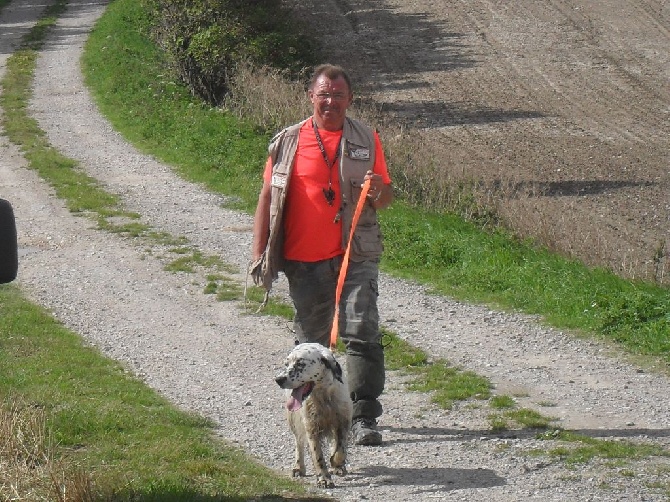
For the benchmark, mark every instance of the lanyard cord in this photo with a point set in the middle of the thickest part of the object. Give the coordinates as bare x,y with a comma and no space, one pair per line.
323,150
330,193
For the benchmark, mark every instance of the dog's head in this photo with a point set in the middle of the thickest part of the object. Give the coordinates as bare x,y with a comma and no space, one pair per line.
309,365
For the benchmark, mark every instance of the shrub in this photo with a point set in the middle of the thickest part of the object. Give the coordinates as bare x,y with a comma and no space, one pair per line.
205,40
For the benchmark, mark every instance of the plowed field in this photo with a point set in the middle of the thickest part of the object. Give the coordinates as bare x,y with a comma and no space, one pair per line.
565,101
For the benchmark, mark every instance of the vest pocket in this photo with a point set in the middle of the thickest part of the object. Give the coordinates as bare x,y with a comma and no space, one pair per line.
368,216
367,241
356,189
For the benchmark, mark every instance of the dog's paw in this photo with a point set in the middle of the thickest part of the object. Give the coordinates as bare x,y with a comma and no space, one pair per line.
322,482
340,471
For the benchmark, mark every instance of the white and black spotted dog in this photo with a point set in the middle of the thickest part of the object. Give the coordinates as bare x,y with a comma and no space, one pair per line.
319,409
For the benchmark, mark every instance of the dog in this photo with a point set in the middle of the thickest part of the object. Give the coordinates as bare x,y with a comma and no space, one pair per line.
318,409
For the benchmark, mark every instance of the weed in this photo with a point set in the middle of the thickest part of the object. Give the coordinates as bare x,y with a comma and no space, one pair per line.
500,402
529,418
586,448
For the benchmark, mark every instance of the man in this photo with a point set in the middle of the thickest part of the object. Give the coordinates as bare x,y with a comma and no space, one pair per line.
312,182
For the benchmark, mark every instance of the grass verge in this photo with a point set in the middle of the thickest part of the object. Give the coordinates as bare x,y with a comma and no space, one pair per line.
580,449
104,421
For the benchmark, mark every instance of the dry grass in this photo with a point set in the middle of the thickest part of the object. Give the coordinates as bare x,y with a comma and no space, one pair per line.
28,471
563,229
270,101
25,452
266,98
76,486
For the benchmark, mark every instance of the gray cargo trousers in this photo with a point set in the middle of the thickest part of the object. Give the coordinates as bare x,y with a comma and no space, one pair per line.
312,288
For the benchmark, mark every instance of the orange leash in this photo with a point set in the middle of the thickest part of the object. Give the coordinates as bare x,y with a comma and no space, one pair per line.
345,263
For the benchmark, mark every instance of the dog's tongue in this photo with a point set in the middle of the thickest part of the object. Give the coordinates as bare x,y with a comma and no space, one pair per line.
295,400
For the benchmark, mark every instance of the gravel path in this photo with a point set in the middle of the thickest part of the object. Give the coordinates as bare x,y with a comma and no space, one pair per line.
207,357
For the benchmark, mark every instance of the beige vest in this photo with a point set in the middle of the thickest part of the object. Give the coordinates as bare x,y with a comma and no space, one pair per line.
357,156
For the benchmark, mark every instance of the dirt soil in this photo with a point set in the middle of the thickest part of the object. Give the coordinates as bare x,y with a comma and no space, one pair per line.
209,358
565,100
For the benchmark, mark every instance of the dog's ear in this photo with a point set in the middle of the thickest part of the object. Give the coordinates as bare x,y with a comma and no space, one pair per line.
332,364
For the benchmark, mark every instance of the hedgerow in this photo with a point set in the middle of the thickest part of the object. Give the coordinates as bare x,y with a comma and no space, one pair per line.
205,40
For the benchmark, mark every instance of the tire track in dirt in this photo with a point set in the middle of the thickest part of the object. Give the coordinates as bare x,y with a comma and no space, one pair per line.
615,42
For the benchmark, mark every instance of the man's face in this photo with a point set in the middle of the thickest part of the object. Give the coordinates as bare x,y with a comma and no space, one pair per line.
330,99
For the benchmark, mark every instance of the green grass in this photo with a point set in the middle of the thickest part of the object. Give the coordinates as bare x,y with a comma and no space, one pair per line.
580,449
105,421
456,258
191,259
445,383
502,402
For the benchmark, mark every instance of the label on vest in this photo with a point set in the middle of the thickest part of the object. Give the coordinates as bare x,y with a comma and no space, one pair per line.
279,180
356,152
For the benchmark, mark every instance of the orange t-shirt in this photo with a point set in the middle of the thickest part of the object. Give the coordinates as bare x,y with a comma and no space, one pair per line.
310,231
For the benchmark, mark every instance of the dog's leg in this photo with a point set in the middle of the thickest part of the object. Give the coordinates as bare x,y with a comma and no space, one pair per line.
299,467
299,434
323,479
338,456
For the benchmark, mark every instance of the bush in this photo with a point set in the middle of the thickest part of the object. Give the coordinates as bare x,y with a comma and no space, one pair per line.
206,40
